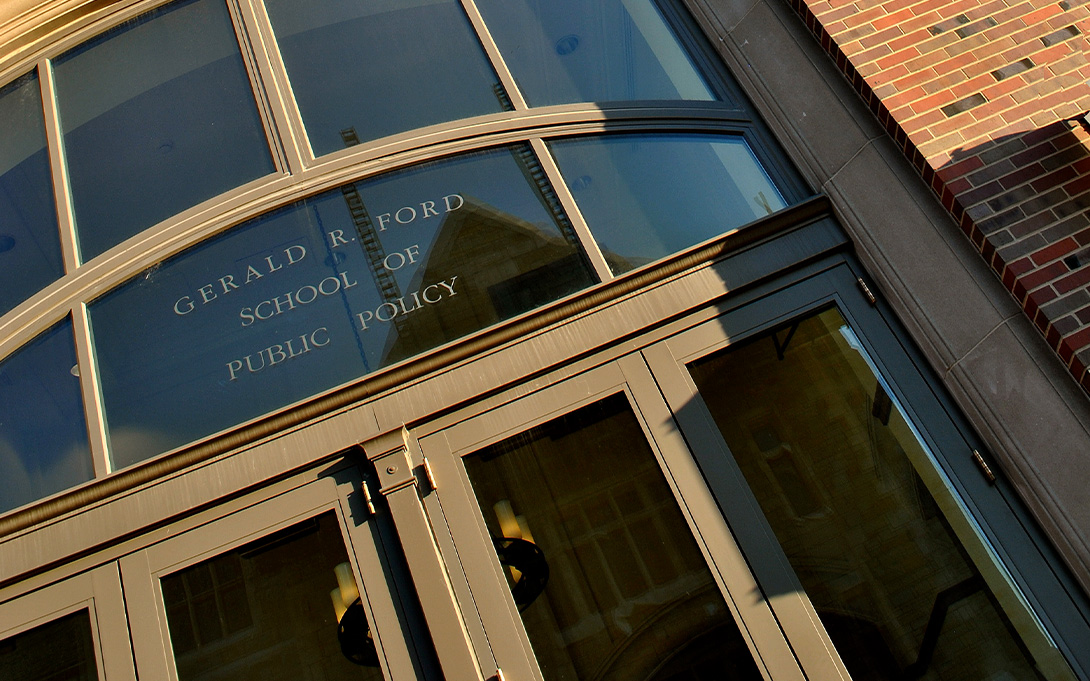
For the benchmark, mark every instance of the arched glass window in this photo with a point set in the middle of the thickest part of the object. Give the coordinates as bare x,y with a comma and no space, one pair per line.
285,198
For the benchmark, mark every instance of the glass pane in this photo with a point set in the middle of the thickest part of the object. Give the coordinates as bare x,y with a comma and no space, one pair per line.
157,115
43,433
62,650
361,70
627,594
851,495
30,249
648,196
566,51
264,611
326,290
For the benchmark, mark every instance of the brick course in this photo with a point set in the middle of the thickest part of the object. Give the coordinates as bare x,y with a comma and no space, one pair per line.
982,96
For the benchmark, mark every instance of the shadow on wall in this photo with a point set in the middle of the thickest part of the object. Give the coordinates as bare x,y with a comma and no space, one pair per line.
1024,201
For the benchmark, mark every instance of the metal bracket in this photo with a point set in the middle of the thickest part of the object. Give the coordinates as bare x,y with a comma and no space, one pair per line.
367,497
984,467
867,293
430,475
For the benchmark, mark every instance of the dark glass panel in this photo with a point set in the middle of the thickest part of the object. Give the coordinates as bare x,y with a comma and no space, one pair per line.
158,115
839,474
361,70
326,290
648,196
263,612
61,650
628,594
566,51
30,250
43,433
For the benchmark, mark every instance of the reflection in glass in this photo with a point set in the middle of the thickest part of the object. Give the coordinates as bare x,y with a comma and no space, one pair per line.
648,196
157,115
629,595
567,51
326,290
61,649
841,476
30,250
43,433
262,611
361,70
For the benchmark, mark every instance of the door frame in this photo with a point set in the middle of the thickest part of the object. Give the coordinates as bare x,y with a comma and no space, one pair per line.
369,547
464,542
649,369
983,512
99,592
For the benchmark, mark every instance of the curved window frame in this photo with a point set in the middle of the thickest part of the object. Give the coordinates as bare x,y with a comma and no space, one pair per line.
300,174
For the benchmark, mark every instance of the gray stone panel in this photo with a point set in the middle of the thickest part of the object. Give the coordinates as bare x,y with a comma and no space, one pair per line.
1030,412
916,265
815,104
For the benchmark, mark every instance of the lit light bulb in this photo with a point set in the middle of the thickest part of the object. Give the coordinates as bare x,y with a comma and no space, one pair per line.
524,528
338,605
346,584
509,525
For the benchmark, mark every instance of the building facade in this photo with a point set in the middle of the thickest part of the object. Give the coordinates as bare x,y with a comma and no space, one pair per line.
471,339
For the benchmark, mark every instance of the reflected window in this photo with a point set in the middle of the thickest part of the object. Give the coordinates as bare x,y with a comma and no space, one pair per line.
327,290
263,611
628,594
30,250
43,432
361,70
865,519
61,649
567,51
157,115
648,196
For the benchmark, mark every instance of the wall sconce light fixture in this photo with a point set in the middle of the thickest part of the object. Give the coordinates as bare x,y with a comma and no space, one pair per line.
353,630
520,555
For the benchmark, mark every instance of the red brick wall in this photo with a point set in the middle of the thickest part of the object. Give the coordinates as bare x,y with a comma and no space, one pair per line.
981,96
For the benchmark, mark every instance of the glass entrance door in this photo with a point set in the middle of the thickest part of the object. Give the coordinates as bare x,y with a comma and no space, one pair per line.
587,544
854,496
74,629
771,492
301,584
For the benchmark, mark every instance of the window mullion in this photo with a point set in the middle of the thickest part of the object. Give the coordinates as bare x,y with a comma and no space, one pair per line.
89,388
507,79
269,78
567,201
66,221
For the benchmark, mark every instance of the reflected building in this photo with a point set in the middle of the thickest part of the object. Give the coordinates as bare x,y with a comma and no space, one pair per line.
477,340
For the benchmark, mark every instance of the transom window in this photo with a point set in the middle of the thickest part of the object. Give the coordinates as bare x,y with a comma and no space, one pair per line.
393,177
